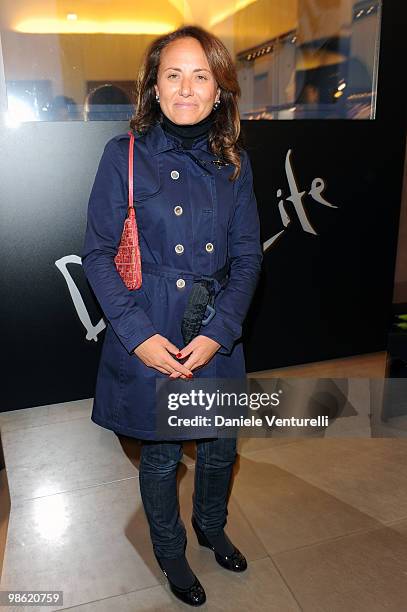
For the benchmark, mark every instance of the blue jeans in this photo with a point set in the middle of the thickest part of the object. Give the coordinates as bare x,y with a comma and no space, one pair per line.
158,487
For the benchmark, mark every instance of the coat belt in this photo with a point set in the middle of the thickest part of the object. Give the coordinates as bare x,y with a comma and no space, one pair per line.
174,273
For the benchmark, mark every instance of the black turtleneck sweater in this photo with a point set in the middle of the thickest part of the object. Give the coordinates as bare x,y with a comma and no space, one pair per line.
188,133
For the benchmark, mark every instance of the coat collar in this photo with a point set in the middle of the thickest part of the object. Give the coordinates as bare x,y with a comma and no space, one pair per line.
158,140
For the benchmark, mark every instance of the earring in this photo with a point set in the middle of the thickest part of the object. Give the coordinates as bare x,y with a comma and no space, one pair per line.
157,98
216,105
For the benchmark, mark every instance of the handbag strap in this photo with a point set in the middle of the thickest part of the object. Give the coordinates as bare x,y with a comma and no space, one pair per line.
131,166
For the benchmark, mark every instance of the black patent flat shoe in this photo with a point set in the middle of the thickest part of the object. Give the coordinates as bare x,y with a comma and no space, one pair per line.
235,562
194,595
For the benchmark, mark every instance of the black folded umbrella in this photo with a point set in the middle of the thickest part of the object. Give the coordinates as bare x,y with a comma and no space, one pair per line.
198,300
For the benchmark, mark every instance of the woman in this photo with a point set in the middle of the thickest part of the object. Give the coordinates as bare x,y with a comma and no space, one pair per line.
195,217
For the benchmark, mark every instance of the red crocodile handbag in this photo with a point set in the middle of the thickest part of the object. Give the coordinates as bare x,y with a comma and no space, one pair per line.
128,258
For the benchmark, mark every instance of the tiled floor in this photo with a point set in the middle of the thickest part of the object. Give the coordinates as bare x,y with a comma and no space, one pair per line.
323,522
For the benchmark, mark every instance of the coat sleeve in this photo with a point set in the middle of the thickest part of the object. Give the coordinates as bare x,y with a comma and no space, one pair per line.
246,256
107,210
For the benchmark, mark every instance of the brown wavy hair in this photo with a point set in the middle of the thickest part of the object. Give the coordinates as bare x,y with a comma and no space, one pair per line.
225,138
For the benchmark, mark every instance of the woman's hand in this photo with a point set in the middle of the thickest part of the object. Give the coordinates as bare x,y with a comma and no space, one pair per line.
155,353
200,350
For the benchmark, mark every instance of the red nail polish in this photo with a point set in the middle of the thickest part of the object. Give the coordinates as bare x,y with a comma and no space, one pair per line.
178,355
190,375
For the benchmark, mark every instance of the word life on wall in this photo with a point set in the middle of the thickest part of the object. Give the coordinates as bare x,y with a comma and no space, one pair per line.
296,197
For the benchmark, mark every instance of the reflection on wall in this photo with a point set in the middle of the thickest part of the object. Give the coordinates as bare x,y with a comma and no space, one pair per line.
325,67
295,58
400,278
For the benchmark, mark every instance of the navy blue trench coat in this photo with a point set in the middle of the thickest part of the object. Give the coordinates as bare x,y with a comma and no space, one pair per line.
191,220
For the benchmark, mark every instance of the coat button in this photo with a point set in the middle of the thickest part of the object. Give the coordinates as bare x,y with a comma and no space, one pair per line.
209,247
174,174
180,283
179,248
178,210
